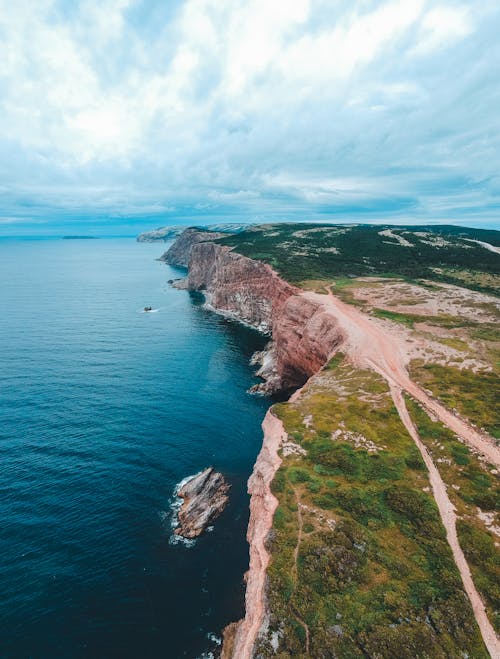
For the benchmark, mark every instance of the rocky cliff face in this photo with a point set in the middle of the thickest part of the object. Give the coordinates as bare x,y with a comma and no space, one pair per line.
204,498
303,336
238,286
178,254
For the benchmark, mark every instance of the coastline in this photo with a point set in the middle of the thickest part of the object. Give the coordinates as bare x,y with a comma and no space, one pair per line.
240,637
302,339
306,330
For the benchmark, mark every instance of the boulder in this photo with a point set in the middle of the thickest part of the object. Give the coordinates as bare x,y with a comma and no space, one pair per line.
204,498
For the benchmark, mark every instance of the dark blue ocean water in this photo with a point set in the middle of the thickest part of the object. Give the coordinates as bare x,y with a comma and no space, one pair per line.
103,410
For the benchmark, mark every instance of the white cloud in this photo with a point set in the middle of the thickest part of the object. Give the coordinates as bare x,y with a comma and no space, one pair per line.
441,26
271,106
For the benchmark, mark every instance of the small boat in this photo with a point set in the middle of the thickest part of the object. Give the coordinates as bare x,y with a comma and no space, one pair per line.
148,308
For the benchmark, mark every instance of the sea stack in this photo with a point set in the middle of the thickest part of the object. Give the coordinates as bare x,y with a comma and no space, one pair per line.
204,498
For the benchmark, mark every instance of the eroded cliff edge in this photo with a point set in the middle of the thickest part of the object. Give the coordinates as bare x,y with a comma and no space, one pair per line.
302,335
302,339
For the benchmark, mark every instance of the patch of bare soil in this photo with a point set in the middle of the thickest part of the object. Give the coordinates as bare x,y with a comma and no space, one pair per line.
405,298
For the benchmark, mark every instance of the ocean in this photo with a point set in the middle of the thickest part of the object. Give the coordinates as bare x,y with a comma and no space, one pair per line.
103,410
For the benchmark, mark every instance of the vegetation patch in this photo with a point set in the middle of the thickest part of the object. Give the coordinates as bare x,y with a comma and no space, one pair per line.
312,252
473,278
410,319
473,486
476,396
360,563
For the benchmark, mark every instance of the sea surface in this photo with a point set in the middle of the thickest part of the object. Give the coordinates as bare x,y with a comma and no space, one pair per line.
103,409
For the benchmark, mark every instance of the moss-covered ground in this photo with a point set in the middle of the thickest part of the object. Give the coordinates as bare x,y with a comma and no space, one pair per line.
301,252
360,564
475,395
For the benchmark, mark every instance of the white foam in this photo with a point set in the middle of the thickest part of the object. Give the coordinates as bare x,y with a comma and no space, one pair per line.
175,504
179,540
215,639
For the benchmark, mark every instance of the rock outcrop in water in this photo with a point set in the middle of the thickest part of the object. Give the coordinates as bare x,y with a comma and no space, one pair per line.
204,498
303,335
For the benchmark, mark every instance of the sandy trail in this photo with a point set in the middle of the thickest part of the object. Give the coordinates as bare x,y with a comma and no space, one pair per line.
448,517
295,572
263,505
370,346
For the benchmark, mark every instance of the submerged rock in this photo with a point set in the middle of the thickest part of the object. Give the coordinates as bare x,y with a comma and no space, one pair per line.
205,497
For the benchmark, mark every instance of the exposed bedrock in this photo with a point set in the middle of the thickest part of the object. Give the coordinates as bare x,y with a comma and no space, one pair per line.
204,498
178,254
303,335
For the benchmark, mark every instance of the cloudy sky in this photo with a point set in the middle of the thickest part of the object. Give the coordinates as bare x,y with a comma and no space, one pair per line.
118,115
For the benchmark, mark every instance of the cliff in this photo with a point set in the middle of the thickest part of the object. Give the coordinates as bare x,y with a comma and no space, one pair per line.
178,253
306,329
303,335
240,638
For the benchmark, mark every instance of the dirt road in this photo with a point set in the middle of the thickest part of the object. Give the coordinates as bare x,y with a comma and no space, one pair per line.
369,346
449,518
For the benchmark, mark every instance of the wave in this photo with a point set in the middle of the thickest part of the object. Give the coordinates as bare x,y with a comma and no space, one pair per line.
171,517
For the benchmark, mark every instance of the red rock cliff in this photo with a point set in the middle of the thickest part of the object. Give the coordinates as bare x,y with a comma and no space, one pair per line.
303,336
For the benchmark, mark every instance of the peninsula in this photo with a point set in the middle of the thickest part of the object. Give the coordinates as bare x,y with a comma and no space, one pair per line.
374,527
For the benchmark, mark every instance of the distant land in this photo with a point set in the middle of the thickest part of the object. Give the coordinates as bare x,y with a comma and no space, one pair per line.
170,232
80,237
374,528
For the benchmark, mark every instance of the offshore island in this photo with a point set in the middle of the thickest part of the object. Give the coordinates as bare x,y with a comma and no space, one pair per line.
374,527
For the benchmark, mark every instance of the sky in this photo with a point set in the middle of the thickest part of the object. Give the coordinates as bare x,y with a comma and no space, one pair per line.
118,116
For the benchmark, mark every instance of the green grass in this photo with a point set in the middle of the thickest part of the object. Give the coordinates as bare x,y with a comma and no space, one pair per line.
404,318
484,560
312,252
475,395
375,576
486,332
410,319
471,485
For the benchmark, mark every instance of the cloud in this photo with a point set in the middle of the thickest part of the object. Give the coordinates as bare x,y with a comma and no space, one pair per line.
442,25
250,108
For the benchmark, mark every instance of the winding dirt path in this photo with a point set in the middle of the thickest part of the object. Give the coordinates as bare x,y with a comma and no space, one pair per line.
387,353
296,552
369,346
449,518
